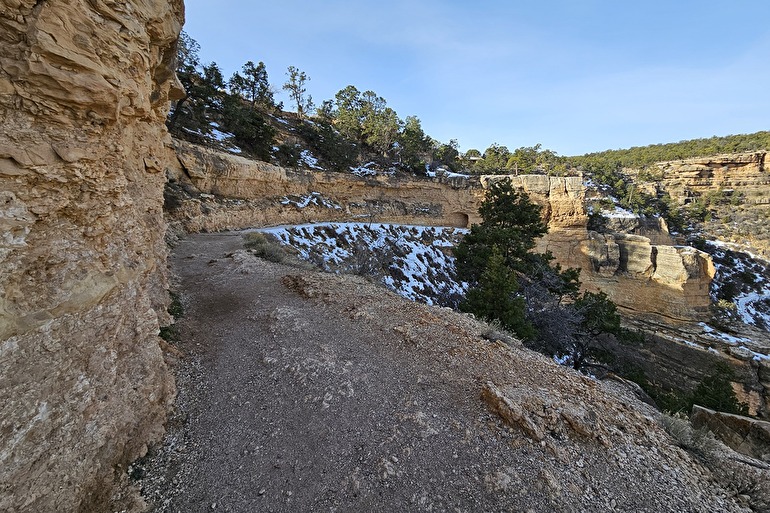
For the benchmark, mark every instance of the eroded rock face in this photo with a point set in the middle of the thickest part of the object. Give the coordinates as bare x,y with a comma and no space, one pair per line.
649,279
642,274
743,434
255,194
734,186
84,90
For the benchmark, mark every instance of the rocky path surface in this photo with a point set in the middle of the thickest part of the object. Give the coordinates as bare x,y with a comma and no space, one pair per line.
301,391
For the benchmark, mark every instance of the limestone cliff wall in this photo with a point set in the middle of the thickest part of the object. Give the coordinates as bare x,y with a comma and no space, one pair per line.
642,277
735,187
84,90
261,194
744,171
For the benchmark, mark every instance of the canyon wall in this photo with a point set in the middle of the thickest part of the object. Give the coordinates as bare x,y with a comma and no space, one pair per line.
743,172
84,92
735,188
253,193
218,191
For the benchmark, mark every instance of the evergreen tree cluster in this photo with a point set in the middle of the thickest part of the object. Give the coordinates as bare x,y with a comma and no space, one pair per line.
344,130
524,291
498,159
210,104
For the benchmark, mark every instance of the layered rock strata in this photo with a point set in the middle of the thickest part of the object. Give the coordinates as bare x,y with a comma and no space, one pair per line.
84,90
735,188
744,172
643,276
253,193
745,435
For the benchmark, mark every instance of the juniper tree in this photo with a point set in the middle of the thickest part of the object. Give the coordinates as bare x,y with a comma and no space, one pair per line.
297,91
510,225
252,85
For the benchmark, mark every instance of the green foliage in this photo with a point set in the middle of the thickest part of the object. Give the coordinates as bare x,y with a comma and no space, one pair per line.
347,116
497,159
379,124
288,153
607,168
494,298
204,92
446,154
252,85
489,257
599,314
207,104
328,144
533,159
187,70
414,145
250,131
171,333
716,392
295,85
259,245
511,222
175,307
494,160
640,156
365,117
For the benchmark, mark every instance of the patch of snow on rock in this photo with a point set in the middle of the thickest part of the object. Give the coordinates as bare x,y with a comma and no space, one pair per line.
413,261
314,198
309,160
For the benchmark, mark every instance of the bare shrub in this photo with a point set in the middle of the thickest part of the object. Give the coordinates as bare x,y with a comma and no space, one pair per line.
263,247
744,476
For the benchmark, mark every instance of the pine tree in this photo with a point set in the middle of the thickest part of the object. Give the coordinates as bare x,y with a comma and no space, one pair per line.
494,298
297,91
510,222
253,85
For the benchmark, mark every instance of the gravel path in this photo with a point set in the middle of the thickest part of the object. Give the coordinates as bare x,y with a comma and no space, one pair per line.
300,391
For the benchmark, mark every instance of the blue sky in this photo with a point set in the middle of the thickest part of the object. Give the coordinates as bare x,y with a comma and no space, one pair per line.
575,76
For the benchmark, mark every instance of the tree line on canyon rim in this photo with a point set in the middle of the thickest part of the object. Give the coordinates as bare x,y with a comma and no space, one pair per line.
356,127
522,291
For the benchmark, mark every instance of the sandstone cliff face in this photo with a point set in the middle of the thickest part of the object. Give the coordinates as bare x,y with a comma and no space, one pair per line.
703,174
644,276
84,89
266,195
736,187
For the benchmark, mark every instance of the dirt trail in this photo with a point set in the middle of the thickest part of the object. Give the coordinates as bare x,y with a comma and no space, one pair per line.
301,391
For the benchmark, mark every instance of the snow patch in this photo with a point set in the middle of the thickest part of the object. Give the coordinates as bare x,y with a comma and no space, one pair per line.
309,160
410,260
364,170
314,198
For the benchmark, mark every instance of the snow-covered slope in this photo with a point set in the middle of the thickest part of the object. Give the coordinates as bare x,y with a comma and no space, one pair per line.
741,284
414,261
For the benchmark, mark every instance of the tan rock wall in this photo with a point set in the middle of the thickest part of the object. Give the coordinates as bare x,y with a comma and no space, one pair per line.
736,187
642,277
259,188
84,89
745,172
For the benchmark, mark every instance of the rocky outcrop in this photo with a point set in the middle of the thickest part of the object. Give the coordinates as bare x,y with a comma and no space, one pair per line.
84,90
250,193
649,280
697,176
743,434
644,276
735,188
